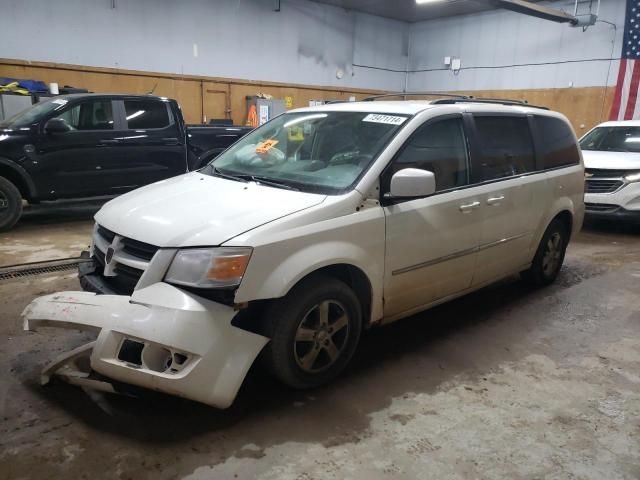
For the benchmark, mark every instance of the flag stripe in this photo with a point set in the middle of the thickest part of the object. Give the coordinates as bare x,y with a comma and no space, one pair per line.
626,98
626,84
615,108
633,91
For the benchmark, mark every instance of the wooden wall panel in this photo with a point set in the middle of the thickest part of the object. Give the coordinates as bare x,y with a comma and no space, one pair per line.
199,97
211,97
584,107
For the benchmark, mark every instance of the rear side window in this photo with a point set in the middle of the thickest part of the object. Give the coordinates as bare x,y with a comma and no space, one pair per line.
440,148
144,114
506,147
557,144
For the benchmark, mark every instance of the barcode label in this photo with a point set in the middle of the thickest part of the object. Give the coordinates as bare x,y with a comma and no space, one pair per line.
378,118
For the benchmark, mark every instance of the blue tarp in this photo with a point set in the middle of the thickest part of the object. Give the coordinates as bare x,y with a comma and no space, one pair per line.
34,86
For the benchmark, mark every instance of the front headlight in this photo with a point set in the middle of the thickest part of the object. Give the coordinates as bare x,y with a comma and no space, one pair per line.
209,267
633,177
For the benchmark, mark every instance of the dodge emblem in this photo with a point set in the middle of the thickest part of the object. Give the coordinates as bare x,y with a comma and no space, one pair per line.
109,255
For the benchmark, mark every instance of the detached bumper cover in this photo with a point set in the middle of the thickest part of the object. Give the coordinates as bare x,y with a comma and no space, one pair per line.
161,338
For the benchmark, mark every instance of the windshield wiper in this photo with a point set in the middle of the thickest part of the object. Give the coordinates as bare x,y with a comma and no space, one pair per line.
228,176
245,177
272,183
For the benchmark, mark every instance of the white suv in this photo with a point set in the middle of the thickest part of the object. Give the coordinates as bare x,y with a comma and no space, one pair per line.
612,170
319,224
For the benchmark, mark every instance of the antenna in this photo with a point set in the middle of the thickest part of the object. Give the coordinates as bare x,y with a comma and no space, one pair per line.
153,89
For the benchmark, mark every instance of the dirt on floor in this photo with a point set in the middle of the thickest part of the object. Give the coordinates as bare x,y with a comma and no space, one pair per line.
48,232
507,382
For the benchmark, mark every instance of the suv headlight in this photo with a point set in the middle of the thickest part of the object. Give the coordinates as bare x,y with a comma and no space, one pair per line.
633,177
209,267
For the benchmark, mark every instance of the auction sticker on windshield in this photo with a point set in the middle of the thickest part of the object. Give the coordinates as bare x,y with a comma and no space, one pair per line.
267,145
389,119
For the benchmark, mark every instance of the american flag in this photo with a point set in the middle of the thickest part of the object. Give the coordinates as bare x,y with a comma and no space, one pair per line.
625,101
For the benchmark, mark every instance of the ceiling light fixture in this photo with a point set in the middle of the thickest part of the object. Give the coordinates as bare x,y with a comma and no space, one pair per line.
420,2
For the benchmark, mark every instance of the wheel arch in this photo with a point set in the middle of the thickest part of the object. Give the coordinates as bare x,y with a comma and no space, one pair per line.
563,209
566,217
19,177
355,278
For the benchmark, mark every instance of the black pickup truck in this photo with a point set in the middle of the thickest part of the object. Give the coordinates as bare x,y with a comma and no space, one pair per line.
89,145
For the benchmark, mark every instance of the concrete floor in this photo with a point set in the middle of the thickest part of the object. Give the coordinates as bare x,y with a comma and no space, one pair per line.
505,383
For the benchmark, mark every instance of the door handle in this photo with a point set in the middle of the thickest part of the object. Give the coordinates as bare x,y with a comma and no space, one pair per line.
468,207
495,200
107,142
171,141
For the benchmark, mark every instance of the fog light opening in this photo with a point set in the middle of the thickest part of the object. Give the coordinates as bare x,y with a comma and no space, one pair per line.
179,358
131,352
156,358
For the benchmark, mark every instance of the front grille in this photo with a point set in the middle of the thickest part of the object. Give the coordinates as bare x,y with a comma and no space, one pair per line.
139,249
126,277
605,173
602,186
600,207
99,256
108,235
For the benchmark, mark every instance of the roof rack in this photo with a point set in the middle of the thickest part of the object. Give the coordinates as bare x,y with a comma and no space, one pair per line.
451,98
417,94
500,101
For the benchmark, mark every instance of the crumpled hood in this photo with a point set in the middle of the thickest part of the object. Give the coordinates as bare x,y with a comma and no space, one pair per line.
611,160
198,210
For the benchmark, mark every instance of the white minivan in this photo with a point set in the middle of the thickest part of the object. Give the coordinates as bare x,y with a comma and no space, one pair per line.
317,225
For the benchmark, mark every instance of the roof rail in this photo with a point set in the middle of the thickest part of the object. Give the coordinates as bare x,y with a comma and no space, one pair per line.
500,101
416,94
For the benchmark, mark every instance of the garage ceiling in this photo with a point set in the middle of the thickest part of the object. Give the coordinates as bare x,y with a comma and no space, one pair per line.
409,11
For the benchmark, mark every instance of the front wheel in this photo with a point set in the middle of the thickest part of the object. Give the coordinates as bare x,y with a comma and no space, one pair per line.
549,256
10,204
314,332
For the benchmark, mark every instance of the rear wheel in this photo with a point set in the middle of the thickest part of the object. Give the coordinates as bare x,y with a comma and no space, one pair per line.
314,332
549,256
10,204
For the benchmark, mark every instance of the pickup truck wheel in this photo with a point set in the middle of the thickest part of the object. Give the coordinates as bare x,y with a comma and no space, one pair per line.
549,256
314,332
10,204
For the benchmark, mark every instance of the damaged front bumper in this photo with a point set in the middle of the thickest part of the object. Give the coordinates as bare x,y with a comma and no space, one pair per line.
161,338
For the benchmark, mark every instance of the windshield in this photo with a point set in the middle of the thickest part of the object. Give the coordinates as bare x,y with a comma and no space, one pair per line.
323,152
30,115
612,139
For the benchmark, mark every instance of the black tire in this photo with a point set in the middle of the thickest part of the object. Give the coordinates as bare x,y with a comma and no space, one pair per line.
549,256
297,316
10,204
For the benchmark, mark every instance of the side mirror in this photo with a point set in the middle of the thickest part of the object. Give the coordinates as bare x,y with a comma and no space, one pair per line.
57,125
412,182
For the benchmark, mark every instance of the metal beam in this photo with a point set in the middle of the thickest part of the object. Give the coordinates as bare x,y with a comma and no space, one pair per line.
528,8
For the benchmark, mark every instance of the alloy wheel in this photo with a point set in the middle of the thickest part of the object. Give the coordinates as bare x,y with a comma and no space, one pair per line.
552,254
4,203
322,336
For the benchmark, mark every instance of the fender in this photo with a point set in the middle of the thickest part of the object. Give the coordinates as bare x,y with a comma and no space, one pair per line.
22,174
275,267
